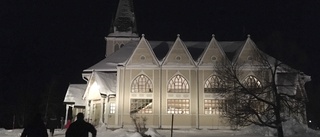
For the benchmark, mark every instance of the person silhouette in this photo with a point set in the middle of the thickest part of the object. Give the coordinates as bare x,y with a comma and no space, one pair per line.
81,128
52,124
36,128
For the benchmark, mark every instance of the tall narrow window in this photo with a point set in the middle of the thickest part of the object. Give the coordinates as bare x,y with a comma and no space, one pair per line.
214,84
141,84
178,84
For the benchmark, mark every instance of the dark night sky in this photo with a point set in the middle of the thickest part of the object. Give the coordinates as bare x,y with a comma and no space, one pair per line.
45,44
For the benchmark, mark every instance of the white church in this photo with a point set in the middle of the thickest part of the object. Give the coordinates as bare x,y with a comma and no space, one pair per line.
156,79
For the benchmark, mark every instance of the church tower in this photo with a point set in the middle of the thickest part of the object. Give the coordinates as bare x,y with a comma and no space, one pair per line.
123,27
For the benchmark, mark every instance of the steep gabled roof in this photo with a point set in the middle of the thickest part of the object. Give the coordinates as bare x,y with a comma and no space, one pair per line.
111,62
177,46
143,48
231,48
213,49
161,49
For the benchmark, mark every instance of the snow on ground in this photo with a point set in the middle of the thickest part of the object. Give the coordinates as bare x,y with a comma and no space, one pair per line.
166,133
291,129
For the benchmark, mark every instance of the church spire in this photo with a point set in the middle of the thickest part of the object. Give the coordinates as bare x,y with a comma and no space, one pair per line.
124,21
123,28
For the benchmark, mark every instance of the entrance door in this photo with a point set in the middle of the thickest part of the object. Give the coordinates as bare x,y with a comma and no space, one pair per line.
96,113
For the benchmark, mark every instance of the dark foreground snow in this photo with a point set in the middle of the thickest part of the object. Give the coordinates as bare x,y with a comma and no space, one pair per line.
291,129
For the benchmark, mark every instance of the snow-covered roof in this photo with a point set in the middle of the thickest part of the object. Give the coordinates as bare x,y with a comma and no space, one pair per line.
111,62
100,84
107,81
74,94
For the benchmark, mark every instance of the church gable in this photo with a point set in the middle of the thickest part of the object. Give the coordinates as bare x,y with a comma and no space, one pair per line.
179,55
249,54
143,55
212,54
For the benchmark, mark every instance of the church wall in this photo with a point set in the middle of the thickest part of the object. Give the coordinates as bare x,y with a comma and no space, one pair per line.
179,121
193,78
216,55
130,75
160,116
202,76
212,122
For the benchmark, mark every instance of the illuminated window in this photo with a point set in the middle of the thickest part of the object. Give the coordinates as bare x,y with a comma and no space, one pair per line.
178,106
214,84
214,106
112,108
141,106
141,84
252,82
178,84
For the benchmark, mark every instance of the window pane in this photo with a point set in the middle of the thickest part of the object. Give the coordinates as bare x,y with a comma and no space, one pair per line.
142,106
141,84
112,108
178,106
178,84
214,106
214,84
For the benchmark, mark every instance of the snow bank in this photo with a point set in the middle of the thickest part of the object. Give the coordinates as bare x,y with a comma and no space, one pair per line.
290,128
153,133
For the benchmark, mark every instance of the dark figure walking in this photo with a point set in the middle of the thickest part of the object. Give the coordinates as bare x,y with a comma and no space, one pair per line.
80,128
52,124
36,128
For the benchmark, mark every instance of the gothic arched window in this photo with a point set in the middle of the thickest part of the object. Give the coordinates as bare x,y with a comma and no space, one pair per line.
141,84
252,82
178,84
214,84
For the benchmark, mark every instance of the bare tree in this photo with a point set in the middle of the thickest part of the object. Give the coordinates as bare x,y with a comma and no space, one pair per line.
139,123
262,91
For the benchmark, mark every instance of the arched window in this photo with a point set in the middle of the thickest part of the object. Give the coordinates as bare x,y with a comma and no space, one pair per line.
121,45
141,84
251,82
214,84
178,84
116,47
